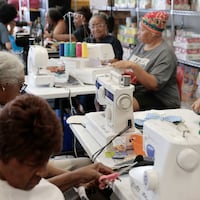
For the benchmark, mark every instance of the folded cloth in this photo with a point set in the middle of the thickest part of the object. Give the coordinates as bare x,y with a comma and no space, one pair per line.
169,118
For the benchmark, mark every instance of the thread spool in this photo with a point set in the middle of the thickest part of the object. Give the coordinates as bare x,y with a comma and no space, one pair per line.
126,80
72,49
78,49
84,50
61,49
66,49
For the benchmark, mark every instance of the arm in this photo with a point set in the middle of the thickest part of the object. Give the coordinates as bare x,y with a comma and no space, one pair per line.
4,37
146,79
11,27
84,175
63,37
60,28
8,45
54,171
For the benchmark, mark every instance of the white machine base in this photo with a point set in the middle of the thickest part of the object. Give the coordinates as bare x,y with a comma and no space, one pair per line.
136,180
85,69
88,74
96,125
42,80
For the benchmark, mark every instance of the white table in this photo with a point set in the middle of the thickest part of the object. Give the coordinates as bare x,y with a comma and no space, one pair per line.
122,189
47,92
53,92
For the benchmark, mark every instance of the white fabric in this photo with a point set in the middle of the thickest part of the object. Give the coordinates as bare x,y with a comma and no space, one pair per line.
71,163
43,191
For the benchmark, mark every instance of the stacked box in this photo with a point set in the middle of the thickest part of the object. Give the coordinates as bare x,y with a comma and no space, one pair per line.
127,35
195,5
190,83
187,47
145,4
166,4
125,3
121,3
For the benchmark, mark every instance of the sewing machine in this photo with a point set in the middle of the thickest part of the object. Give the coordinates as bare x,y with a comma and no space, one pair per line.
43,71
86,69
37,67
115,92
175,174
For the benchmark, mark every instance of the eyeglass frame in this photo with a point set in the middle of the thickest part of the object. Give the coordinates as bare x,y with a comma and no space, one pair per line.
100,25
23,88
22,84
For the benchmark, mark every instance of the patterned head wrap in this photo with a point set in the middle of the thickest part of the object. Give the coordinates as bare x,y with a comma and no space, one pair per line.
155,21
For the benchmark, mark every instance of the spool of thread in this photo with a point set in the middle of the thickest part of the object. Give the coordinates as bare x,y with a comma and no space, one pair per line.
84,50
78,49
61,49
126,80
72,49
66,49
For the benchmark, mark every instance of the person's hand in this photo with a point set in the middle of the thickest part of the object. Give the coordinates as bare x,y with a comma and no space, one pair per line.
124,64
196,106
132,75
90,174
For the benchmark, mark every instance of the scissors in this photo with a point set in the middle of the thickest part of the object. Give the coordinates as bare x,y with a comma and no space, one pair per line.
106,180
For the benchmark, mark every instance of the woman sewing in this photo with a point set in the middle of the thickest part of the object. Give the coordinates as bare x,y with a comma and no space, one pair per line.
98,25
154,65
55,23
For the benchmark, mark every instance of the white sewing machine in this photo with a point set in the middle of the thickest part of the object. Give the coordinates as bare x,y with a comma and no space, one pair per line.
114,91
37,67
176,170
86,69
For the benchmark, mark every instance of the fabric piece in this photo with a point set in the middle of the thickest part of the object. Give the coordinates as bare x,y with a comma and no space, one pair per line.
169,118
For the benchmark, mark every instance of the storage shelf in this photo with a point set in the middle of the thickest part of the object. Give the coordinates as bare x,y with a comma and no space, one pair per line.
143,10
190,62
114,8
185,13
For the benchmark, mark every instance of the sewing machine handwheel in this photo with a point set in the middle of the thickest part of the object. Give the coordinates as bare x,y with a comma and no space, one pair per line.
124,102
188,159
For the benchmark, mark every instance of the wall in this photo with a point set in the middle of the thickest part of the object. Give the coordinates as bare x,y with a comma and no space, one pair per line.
76,4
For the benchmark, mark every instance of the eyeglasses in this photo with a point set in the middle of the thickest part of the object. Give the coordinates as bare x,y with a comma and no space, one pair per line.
18,85
93,26
77,15
23,88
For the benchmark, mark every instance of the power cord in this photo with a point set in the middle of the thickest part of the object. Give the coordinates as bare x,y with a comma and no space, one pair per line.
72,108
98,152
73,112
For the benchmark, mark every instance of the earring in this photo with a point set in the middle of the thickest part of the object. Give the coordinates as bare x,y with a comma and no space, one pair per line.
3,88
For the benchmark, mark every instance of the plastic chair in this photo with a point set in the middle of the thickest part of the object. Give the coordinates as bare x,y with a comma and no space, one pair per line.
180,79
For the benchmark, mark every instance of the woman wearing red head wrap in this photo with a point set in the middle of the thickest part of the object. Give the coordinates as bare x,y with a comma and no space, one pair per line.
154,64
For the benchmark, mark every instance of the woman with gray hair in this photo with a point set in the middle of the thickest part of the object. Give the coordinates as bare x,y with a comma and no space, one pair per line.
11,76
